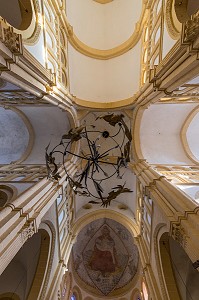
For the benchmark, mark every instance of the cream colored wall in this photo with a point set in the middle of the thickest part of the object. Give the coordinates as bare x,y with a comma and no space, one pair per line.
167,43
51,216
172,27
38,50
103,26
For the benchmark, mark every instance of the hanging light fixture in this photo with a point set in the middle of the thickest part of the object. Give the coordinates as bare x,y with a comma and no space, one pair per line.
96,163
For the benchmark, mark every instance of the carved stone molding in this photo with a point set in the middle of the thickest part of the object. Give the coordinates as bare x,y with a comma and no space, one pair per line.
38,25
11,40
28,230
191,29
50,262
170,23
178,234
157,258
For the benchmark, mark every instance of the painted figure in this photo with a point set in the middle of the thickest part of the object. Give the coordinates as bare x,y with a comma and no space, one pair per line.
103,258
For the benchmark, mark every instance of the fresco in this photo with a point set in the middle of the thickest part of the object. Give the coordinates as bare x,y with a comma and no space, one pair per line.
105,256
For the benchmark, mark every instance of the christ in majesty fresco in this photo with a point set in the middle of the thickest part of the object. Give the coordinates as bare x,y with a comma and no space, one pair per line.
104,258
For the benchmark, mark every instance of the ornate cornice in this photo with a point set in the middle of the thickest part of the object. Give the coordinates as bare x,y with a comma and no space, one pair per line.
81,47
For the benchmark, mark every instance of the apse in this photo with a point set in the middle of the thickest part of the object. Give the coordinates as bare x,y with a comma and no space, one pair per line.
104,260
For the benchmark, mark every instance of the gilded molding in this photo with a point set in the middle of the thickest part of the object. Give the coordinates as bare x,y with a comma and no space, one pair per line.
103,1
50,261
111,214
156,238
81,47
183,136
103,105
170,23
178,234
32,38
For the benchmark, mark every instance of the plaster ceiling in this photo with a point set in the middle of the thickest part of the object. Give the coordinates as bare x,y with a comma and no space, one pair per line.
105,258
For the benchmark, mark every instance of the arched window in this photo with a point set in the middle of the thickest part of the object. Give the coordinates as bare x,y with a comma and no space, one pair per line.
62,234
61,216
73,297
145,291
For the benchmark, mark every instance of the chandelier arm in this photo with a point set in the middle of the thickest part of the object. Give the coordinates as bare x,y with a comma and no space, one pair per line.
94,196
118,145
102,171
96,131
88,141
108,176
87,169
106,162
79,175
124,135
69,143
93,171
112,136
82,157
115,147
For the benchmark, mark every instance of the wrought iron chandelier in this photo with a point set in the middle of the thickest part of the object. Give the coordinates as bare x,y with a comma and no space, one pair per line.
95,167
